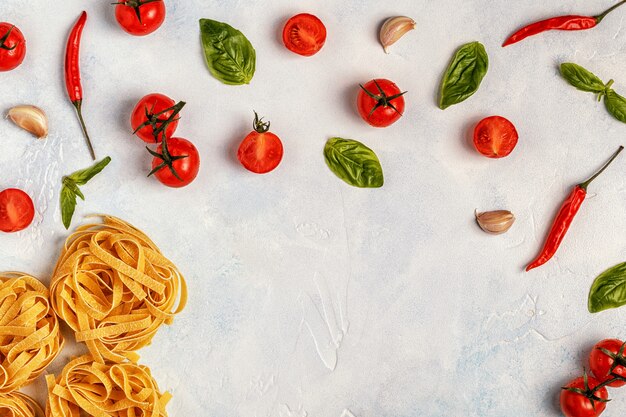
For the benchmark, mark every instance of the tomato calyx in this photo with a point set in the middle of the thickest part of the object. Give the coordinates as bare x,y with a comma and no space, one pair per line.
590,393
382,99
167,158
135,4
259,125
5,37
618,360
160,125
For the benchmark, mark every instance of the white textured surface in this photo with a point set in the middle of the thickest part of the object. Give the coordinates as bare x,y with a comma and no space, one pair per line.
311,298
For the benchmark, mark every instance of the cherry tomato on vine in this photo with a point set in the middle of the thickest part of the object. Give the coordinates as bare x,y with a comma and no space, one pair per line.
140,17
154,108
380,102
177,165
606,358
16,210
495,137
261,151
304,34
578,398
12,47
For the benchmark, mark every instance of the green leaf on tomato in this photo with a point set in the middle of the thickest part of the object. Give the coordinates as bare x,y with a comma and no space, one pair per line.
616,105
581,78
464,74
608,290
230,56
354,163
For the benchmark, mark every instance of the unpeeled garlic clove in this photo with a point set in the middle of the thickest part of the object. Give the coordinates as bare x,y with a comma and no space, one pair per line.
393,29
495,222
31,119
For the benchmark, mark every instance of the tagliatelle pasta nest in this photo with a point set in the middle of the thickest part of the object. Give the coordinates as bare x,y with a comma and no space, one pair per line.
114,288
16,404
90,388
30,338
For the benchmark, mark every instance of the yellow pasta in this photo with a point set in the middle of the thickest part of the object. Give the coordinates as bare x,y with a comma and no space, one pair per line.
114,288
16,404
29,330
91,388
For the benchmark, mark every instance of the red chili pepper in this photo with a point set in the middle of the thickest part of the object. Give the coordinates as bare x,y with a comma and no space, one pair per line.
571,22
565,217
72,74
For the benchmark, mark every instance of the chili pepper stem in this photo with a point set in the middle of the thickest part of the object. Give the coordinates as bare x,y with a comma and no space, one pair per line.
78,106
609,10
585,184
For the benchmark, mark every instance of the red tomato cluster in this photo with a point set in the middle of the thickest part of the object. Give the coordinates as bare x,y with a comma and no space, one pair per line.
587,396
175,161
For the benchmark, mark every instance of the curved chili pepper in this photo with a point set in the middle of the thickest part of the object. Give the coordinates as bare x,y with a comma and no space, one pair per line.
72,74
566,215
569,23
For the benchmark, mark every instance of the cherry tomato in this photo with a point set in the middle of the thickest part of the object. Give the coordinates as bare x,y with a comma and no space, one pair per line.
380,102
154,104
16,210
12,47
574,404
261,151
600,363
304,34
140,17
186,168
495,137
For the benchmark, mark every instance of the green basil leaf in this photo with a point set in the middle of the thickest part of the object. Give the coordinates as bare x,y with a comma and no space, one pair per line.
581,78
608,289
228,53
354,163
616,105
68,205
84,175
464,74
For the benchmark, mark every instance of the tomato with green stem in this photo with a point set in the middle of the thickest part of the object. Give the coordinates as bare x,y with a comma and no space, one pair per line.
12,47
16,210
495,137
583,397
607,361
177,164
380,102
140,17
304,34
261,151
152,114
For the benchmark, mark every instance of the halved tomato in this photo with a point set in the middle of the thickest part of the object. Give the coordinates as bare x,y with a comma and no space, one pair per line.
495,137
304,34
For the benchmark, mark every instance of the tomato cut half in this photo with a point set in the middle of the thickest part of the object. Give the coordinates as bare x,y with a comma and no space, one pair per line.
16,210
495,137
260,152
304,34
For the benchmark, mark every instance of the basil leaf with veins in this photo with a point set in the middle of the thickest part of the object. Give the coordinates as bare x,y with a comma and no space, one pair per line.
616,105
464,74
608,289
354,163
582,78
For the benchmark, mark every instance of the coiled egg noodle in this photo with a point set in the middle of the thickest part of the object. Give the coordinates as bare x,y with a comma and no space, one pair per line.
30,338
16,404
114,288
91,388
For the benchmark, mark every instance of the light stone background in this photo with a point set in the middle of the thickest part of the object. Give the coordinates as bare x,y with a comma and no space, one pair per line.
312,298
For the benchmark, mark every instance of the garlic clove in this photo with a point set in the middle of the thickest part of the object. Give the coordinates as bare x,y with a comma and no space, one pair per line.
31,119
393,29
495,222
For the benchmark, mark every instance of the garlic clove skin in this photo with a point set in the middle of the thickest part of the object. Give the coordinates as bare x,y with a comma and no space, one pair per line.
393,29
31,119
495,222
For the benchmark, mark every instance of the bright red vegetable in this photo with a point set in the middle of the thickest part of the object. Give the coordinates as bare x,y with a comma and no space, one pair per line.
149,115
304,34
140,17
607,362
177,164
72,74
12,47
565,217
380,102
583,397
16,210
495,137
569,23
261,151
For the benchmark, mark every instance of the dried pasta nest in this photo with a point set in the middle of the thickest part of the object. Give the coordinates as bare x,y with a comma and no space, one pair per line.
91,388
114,288
16,404
29,331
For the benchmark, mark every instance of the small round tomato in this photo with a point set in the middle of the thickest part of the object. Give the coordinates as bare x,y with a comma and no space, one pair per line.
576,398
16,210
495,137
600,362
12,47
261,151
183,158
140,17
380,102
304,34
153,108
